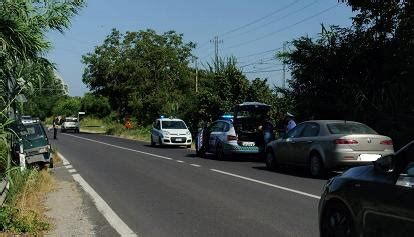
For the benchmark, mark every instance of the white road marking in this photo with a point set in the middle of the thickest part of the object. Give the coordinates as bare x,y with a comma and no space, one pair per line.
72,171
120,147
68,166
64,161
218,171
195,165
112,218
180,161
105,209
267,184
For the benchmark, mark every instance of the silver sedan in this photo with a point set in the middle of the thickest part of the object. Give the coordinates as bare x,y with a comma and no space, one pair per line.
324,145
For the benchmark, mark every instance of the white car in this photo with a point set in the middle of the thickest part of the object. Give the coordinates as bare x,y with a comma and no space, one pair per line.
26,119
173,132
70,123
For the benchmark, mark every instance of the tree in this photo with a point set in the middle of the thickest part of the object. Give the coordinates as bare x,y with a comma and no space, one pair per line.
95,105
361,73
69,106
142,73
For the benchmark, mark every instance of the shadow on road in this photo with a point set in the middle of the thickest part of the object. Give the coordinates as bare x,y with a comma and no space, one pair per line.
296,171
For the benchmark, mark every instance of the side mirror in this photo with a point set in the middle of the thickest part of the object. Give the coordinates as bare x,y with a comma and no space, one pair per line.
385,164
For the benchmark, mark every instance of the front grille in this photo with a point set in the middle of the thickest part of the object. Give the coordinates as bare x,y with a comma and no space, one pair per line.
178,139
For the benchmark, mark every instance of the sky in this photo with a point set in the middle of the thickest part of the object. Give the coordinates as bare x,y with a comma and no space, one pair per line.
251,31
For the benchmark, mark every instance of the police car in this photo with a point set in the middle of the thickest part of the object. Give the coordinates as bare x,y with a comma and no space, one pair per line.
245,132
171,132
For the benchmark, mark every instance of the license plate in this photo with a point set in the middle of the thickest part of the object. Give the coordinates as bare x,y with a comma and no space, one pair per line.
369,157
179,140
248,144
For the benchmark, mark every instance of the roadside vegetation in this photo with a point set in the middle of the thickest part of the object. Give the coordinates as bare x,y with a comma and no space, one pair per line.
26,75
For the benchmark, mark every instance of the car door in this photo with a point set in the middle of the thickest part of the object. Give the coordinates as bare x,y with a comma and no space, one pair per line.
304,142
285,147
156,130
390,209
216,131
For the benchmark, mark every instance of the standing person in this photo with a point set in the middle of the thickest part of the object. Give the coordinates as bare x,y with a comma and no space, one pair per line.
291,123
55,127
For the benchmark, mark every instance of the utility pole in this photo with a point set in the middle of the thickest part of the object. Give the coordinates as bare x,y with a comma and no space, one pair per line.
216,42
284,67
196,64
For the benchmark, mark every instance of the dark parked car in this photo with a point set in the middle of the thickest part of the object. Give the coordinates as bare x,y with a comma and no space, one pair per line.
374,200
36,145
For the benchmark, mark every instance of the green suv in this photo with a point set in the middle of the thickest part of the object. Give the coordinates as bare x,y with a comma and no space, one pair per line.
36,145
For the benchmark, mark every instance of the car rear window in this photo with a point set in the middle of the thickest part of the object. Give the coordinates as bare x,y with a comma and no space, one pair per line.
173,125
32,131
350,128
71,120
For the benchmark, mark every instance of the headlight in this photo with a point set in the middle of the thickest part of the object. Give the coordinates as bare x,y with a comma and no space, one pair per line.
165,133
44,150
188,133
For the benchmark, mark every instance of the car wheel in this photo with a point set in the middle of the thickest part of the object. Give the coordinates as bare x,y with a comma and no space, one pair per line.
63,130
152,142
220,152
200,152
159,142
51,163
77,130
271,162
337,221
316,168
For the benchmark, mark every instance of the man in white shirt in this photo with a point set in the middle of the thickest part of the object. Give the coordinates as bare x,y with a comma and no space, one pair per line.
291,123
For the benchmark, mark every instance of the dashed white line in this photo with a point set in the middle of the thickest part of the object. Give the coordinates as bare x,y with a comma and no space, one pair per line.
64,161
267,184
68,166
180,161
72,171
195,165
214,170
112,218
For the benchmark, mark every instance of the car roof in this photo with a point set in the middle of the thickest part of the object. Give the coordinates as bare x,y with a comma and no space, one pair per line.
71,118
170,119
322,122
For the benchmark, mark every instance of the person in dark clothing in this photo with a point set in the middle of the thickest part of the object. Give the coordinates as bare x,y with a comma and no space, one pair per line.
55,127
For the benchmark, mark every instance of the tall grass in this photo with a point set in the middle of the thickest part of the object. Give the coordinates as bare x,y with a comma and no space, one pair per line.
23,210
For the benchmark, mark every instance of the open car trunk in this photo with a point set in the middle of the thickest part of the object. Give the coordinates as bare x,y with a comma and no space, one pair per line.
248,117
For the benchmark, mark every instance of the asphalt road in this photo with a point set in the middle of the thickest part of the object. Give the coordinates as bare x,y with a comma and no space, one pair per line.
170,192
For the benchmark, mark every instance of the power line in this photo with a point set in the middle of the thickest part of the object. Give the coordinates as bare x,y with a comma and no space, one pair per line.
260,53
273,21
284,28
259,19
251,23
275,70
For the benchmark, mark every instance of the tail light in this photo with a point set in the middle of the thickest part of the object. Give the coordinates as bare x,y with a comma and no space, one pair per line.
231,138
387,142
345,141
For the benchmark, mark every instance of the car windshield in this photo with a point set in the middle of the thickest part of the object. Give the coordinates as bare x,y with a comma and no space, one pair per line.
71,120
350,128
173,125
254,114
32,131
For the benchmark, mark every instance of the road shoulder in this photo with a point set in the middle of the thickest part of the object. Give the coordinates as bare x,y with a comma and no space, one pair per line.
72,210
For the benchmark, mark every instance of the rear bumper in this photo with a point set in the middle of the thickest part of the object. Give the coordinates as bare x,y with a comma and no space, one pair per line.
337,159
237,149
